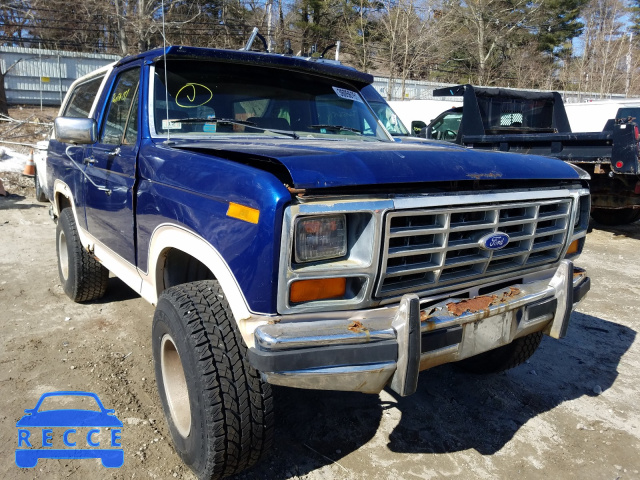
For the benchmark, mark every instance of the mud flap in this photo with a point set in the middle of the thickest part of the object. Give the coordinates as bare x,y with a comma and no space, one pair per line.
407,326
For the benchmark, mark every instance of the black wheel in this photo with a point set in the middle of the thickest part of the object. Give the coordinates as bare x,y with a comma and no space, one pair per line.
505,357
219,411
83,277
40,195
611,217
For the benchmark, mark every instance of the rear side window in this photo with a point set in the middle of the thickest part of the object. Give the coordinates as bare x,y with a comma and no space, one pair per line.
82,98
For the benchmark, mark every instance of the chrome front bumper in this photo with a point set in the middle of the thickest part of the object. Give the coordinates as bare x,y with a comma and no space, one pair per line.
366,350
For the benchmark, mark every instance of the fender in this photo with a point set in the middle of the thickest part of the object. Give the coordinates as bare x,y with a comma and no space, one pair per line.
168,236
61,187
165,236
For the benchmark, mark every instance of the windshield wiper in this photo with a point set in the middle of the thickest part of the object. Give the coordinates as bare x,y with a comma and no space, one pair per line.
244,123
336,128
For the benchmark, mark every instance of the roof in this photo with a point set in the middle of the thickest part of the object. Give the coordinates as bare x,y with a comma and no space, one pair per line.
285,62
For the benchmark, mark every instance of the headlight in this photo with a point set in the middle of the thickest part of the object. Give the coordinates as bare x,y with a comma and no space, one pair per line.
576,221
320,237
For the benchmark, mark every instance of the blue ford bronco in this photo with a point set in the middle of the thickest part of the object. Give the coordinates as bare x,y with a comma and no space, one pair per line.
285,238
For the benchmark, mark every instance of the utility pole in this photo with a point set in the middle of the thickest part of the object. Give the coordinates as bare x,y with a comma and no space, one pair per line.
269,14
628,82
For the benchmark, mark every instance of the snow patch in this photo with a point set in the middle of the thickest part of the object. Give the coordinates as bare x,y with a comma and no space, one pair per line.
12,161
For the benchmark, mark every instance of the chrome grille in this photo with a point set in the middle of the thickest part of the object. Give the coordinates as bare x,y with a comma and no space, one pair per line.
438,248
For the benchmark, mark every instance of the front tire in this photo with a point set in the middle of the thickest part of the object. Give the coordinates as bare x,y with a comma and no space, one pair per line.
219,411
505,357
82,276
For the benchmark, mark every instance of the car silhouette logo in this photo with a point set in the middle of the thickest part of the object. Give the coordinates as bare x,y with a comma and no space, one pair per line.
34,445
494,241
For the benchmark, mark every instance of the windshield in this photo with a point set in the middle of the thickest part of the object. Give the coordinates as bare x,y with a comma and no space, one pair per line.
383,111
211,99
389,119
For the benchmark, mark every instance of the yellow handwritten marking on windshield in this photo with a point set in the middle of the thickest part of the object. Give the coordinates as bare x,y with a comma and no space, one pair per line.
192,89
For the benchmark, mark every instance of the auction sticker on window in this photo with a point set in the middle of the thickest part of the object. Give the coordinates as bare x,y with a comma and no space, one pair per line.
53,430
171,124
347,94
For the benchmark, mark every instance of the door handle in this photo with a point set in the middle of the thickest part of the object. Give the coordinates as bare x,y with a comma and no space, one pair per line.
115,152
89,160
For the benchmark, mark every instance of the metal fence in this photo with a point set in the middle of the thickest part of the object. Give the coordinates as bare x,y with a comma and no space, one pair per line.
42,77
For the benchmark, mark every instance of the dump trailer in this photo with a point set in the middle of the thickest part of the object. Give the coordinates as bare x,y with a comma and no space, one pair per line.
535,122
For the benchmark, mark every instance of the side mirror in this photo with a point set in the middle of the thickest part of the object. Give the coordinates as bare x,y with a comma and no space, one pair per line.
75,130
416,127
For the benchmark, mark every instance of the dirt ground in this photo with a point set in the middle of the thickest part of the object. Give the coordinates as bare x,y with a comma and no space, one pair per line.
571,412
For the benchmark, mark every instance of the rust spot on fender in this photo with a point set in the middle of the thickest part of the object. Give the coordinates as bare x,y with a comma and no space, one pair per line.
480,176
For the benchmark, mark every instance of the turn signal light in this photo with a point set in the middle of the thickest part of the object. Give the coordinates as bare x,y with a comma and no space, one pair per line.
573,248
317,289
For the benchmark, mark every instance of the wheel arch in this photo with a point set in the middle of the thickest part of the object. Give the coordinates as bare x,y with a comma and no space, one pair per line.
63,198
177,255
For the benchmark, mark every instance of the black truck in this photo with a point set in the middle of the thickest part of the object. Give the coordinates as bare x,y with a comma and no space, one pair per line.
536,123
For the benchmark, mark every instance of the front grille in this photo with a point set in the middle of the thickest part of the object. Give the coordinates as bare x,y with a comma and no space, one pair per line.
438,248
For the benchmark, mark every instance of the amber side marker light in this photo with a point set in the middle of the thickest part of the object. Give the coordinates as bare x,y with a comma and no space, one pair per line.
573,248
241,212
319,289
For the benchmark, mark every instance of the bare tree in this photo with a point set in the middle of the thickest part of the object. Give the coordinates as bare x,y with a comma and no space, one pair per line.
601,66
485,30
409,34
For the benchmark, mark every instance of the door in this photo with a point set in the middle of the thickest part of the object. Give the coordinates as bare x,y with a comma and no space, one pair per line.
111,169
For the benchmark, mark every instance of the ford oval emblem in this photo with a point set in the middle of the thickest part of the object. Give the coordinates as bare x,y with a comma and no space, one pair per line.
494,241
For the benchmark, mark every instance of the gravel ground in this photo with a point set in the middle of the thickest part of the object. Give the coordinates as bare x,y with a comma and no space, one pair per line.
571,412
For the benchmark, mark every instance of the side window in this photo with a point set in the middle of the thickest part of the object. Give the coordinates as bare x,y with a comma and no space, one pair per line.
120,106
82,98
446,128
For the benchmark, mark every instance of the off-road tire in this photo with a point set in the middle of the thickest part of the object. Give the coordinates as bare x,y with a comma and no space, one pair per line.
40,195
82,276
219,411
505,357
611,217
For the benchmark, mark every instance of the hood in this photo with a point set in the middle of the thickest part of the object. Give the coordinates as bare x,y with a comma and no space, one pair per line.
314,163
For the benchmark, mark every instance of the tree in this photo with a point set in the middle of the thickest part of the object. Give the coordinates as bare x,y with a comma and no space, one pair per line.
486,29
15,19
558,23
410,36
600,69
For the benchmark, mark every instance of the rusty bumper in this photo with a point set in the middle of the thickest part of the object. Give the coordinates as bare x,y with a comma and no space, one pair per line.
366,350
